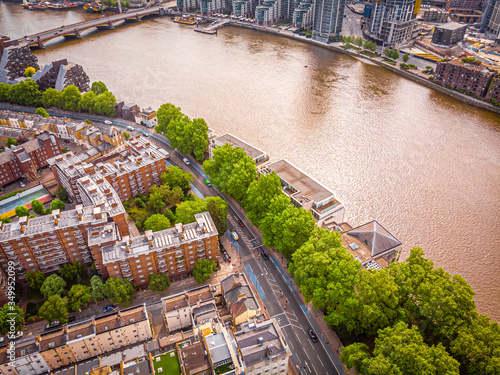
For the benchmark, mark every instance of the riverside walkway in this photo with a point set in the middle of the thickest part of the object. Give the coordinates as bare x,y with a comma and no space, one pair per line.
74,31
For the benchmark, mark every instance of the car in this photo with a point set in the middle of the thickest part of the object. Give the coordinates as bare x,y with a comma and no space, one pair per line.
108,309
186,161
227,257
242,224
107,122
71,319
145,134
208,183
22,184
130,128
66,141
264,255
312,335
235,235
55,323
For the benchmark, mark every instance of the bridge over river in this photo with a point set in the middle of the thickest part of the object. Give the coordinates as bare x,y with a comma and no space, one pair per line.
75,30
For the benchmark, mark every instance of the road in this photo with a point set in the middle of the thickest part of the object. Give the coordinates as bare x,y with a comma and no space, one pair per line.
352,23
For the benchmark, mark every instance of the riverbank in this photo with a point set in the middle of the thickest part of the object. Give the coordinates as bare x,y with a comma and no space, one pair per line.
407,74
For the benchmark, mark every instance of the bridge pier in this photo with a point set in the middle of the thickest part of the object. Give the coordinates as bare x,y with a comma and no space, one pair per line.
110,25
138,18
74,35
40,44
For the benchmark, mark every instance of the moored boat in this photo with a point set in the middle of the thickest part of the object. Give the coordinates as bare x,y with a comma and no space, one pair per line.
186,20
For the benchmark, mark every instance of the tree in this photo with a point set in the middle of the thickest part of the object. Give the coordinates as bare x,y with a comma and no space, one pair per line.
127,4
406,57
70,271
359,42
166,113
203,270
26,92
217,207
126,136
138,216
6,220
259,195
369,45
11,319
158,282
35,279
105,104
11,142
97,288
62,194
22,211
270,225
78,296
98,87
119,291
400,350
57,204
187,209
87,121
394,54
327,274
37,207
29,71
188,136
5,92
53,285
387,51
88,101
157,222
52,98
70,98
175,176
231,170
55,309
155,203
42,112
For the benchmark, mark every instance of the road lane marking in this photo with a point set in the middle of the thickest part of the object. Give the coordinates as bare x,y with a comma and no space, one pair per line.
320,361
316,372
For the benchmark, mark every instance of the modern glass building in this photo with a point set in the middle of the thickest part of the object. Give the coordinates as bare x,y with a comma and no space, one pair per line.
328,19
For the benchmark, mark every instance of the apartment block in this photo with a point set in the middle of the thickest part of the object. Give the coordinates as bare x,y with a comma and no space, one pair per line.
60,74
15,57
238,297
494,89
303,16
328,20
463,4
173,251
435,15
472,79
20,160
448,34
78,342
304,191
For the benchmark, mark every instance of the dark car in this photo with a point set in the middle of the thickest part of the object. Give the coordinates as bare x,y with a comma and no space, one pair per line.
66,141
71,319
312,335
242,224
108,309
264,255
227,257
52,325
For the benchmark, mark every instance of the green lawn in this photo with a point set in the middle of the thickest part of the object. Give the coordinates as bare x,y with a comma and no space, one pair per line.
224,368
170,365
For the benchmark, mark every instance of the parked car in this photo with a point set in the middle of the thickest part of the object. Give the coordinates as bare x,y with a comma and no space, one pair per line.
22,184
186,161
107,122
130,128
108,309
264,255
208,183
71,319
235,235
145,134
66,141
242,224
54,324
227,257
312,335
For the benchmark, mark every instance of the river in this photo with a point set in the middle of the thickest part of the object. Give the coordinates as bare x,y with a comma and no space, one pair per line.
425,165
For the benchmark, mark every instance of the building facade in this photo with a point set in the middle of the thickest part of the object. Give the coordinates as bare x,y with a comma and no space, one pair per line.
60,74
462,4
328,20
15,57
490,22
470,78
303,16
449,34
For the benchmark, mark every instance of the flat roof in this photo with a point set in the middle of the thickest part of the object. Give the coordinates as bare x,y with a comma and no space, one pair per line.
250,150
451,26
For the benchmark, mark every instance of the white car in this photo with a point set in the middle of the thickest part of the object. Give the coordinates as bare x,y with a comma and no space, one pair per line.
107,122
235,236
21,184
186,161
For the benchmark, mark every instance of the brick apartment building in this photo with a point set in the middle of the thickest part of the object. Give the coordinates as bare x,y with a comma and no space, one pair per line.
60,74
78,342
463,4
15,57
132,171
494,91
17,161
472,79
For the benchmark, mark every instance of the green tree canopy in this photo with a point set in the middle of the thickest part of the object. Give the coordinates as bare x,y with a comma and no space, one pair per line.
6,220
327,274
400,350
203,270
187,209
62,194
22,211
78,296
37,207
57,204
105,104
119,291
29,71
270,225
5,92
259,195
88,101
98,87
156,205
53,285
231,170
52,98
156,223
70,271
165,114
26,92
70,98
175,176
188,136
406,57
158,282
42,112
35,279
217,207
55,309
11,319
126,136
97,288
11,141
